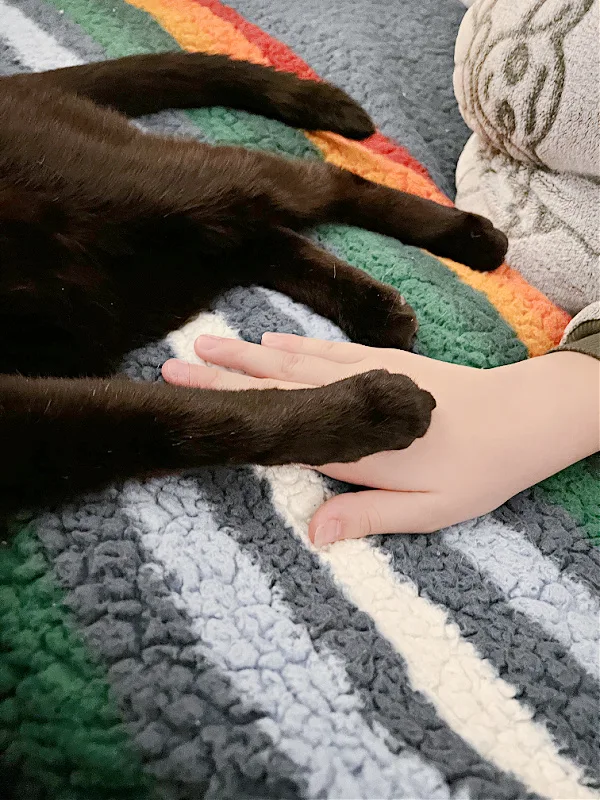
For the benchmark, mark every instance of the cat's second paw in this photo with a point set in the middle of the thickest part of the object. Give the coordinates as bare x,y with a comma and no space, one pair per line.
483,244
473,240
335,111
385,319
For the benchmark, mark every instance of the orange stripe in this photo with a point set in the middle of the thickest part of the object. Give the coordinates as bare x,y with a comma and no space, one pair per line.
535,320
538,323
197,29
364,162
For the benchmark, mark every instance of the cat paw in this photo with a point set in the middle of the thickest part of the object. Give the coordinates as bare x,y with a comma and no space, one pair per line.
382,411
339,113
476,242
385,319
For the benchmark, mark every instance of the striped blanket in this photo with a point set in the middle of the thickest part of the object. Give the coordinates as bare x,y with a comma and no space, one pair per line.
181,638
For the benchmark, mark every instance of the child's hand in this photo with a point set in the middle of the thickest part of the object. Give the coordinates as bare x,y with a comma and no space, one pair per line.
493,433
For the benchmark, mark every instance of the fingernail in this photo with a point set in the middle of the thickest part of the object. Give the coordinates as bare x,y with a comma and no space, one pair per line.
208,342
327,533
176,370
272,338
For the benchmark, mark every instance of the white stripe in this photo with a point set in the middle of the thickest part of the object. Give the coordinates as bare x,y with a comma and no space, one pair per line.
533,585
241,625
465,689
314,325
182,341
36,49
210,565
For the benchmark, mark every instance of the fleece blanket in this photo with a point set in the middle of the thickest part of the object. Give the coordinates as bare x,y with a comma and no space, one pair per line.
528,85
180,638
394,58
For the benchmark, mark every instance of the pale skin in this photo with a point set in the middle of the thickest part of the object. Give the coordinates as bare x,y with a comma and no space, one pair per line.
493,433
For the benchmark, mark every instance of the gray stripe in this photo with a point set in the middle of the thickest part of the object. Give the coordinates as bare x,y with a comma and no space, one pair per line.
533,584
172,123
305,318
560,693
144,364
71,36
335,625
552,530
534,671
374,668
251,312
162,684
395,58
10,63
61,28
238,620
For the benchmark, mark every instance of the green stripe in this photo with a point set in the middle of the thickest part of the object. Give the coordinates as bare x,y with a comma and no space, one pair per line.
123,30
577,490
226,126
58,724
456,323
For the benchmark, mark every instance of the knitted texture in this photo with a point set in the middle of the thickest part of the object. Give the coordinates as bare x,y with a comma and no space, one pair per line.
181,638
525,89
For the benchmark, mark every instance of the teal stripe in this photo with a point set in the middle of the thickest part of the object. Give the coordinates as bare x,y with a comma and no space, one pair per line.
228,127
58,725
577,490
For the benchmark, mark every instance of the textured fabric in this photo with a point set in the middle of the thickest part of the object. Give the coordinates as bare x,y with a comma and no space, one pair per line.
582,334
527,83
181,638
393,57
590,313
588,343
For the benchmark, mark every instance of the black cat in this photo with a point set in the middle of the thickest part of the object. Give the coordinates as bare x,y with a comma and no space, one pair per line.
110,237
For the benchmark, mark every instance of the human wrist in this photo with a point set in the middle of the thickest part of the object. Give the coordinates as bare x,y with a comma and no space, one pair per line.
550,414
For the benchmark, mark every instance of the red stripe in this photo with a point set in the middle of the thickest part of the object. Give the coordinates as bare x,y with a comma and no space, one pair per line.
281,57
